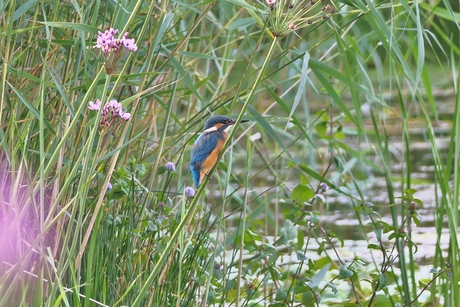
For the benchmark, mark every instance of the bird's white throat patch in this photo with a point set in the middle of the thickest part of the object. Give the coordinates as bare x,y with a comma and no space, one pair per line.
210,129
215,129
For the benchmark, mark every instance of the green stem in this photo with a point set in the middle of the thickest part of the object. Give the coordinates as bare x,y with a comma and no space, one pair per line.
252,92
87,173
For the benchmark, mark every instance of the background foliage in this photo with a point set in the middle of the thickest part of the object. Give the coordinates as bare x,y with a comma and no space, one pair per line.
93,218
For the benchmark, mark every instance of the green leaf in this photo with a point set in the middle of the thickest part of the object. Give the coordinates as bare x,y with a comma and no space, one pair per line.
302,193
338,164
383,279
268,129
243,4
161,170
378,233
23,9
298,123
289,231
393,235
72,26
314,218
301,256
373,246
342,242
280,295
230,284
321,128
349,3
335,97
441,12
31,108
110,153
301,91
211,296
418,201
339,135
334,288
301,288
416,220
204,56
318,177
241,23
218,274
344,272
185,75
300,240
321,247
320,275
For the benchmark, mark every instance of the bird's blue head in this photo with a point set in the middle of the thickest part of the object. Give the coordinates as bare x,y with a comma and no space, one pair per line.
220,122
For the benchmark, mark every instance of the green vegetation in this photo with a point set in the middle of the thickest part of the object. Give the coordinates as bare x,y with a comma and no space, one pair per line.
92,215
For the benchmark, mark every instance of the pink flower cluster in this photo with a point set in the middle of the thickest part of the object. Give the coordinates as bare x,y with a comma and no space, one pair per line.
107,41
111,111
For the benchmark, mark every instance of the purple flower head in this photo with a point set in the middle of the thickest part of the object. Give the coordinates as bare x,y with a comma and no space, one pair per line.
323,187
108,42
129,43
189,192
95,106
126,116
109,189
171,167
113,107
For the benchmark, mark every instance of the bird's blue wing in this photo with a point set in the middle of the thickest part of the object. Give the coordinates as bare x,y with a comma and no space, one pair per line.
202,148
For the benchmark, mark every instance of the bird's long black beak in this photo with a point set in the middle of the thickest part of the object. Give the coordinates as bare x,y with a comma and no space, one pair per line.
242,121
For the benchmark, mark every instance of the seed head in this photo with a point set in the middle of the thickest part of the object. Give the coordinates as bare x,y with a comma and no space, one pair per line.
285,16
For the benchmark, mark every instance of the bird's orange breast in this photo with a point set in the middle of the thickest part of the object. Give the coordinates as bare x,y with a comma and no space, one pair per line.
211,160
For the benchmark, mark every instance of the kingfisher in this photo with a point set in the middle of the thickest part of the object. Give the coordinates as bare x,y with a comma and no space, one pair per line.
208,146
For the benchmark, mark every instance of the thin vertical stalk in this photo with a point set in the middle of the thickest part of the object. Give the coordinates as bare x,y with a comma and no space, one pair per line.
252,92
240,260
249,155
88,168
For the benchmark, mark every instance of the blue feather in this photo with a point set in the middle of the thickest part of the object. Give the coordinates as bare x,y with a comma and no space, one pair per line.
201,150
